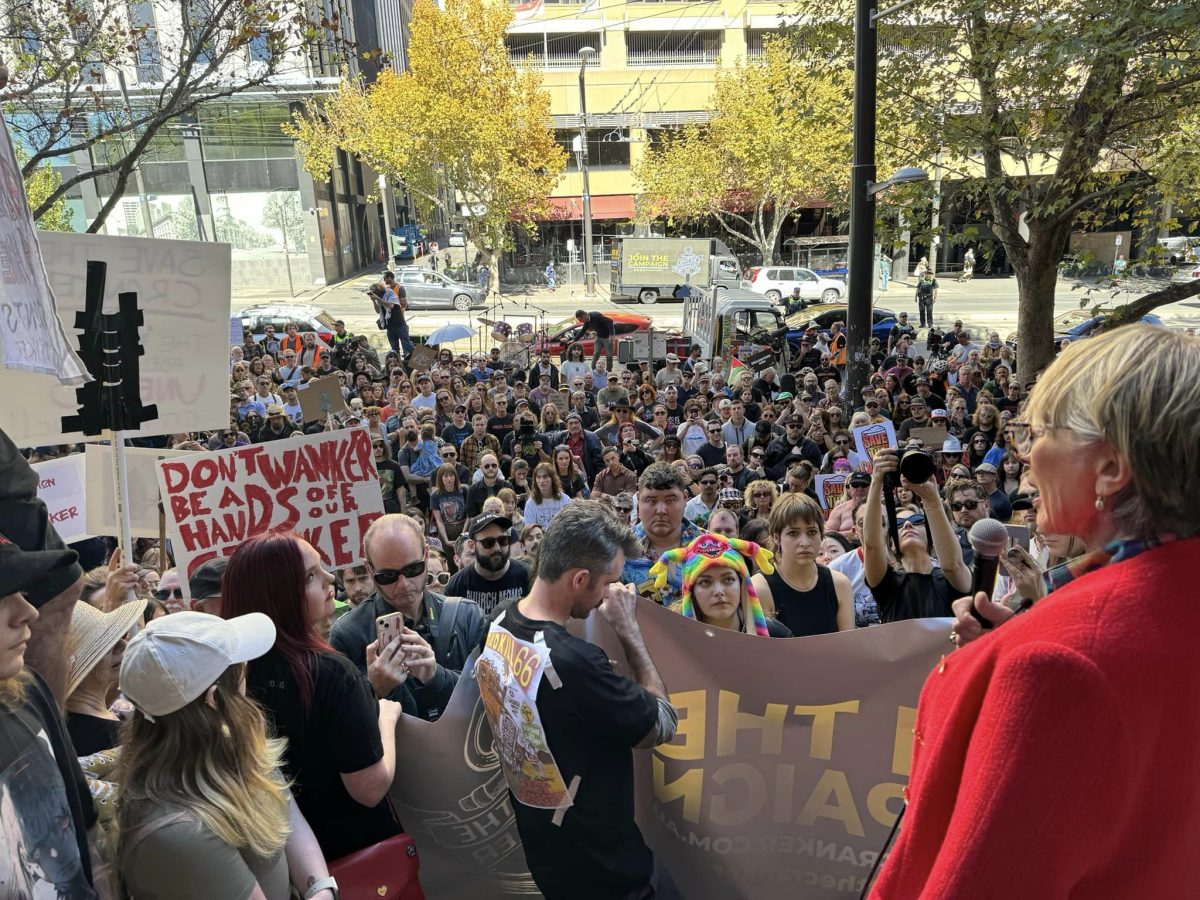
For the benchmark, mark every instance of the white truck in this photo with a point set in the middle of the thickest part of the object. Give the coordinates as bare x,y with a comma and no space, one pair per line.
738,323
650,269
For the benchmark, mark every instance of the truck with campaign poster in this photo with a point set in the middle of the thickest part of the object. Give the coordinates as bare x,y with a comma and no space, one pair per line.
650,269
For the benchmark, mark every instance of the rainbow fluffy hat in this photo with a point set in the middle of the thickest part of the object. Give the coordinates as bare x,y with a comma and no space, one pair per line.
707,551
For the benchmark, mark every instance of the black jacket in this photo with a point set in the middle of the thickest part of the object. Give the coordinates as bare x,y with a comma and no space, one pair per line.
353,631
780,458
593,461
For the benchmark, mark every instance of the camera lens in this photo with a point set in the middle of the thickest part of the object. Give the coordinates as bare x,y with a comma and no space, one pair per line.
916,466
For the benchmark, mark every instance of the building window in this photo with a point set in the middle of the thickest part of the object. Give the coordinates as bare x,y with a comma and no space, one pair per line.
149,54
553,51
652,49
607,148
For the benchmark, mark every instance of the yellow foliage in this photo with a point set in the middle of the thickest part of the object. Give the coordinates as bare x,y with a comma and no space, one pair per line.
778,138
463,119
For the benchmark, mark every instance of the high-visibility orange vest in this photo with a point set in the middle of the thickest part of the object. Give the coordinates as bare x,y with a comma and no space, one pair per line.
839,350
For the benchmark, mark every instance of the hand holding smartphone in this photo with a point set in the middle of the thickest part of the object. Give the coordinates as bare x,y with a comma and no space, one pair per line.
389,628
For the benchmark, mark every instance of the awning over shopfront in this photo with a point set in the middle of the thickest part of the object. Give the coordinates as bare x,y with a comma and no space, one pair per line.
604,206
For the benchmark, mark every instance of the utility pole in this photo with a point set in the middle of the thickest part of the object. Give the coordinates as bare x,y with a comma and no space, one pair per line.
589,270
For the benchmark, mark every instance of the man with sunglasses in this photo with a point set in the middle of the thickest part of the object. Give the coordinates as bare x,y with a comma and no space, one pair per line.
841,518
440,632
487,486
494,578
791,447
700,507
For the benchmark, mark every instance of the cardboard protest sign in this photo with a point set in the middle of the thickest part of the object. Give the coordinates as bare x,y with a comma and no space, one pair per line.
930,438
320,397
766,786
759,359
324,487
422,359
183,292
32,336
62,488
870,439
831,490
142,467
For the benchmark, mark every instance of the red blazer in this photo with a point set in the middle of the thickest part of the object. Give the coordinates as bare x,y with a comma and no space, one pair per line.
1060,756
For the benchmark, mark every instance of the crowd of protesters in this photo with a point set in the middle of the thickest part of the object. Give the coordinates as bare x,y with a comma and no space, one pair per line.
708,479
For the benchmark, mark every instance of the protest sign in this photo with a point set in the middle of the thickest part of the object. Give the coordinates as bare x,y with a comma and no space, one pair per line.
61,487
831,490
183,292
930,438
870,439
422,358
324,487
236,332
759,359
142,468
320,397
769,790
32,336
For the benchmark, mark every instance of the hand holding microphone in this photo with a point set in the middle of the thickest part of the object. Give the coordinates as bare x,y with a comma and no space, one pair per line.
989,539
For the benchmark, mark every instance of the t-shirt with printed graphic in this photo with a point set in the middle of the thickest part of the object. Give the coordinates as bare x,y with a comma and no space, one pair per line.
45,807
591,723
490,595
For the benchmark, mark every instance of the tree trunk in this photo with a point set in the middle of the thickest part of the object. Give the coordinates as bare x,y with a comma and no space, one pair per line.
1037,279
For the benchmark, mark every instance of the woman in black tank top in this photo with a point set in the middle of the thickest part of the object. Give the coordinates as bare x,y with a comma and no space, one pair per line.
806,597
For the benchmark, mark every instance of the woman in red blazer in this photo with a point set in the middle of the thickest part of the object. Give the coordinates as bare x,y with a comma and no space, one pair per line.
1056,757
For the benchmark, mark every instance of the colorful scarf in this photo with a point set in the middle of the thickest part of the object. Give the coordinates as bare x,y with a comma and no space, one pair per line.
1113,552
707,551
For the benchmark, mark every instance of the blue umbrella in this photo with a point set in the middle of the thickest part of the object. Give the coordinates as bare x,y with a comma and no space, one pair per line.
448,334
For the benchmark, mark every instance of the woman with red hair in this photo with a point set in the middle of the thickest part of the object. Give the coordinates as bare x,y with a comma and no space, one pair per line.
341,740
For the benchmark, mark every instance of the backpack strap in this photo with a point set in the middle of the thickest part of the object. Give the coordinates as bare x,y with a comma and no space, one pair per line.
446,623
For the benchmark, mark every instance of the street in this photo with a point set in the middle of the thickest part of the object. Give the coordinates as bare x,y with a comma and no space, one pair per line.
985,304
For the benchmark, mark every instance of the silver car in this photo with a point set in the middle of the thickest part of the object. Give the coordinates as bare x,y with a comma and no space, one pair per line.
433,290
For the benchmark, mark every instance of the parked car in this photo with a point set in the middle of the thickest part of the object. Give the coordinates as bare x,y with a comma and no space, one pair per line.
308,318
1186,274
564,333
1070,327
777,282
824,315
427,289
1180,250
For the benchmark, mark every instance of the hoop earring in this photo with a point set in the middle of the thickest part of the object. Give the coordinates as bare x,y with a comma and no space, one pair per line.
1099,503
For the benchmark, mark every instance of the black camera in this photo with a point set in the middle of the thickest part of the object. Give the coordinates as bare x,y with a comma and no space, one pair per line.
527,430
916,466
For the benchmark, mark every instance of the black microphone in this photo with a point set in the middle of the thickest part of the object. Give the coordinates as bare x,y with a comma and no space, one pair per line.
988,538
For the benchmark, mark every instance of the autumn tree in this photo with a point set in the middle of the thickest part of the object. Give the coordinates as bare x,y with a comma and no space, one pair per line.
39,184
1055,116
462,126
776,140
64,95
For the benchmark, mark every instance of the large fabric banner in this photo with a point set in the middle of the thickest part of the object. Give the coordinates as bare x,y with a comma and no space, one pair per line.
324,487
783,781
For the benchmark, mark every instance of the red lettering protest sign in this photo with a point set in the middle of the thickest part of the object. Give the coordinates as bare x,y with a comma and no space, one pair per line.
324,487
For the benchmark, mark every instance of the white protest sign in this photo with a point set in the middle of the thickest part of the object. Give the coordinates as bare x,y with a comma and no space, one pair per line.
32,338
324,487
183,292
143,489
61,487
870,439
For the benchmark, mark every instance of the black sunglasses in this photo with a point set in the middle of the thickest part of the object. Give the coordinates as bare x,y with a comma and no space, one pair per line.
488,543
391,576
965,504
167,593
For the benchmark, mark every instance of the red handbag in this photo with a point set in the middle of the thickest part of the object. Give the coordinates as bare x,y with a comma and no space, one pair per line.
387,870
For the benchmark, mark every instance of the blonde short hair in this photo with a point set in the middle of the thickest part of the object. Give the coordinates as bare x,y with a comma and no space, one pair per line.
1133,387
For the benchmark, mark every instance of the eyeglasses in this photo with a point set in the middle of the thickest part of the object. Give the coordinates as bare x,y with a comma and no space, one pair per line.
488,543
441,579
759,495
391,576
624,509
964,504
695,465
167,593
707,482
756,456
913,520
490,466
1024,435
843,442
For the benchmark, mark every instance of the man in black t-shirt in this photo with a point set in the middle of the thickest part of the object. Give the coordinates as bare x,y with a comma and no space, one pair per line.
591,718
600,325
493,579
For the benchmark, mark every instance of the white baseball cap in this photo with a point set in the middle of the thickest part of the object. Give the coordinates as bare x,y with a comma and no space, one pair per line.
176,658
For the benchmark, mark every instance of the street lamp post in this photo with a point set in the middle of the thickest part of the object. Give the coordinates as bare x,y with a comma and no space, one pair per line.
589,272
862,196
